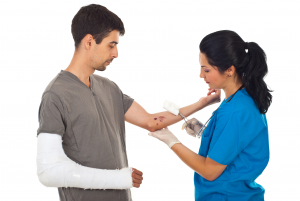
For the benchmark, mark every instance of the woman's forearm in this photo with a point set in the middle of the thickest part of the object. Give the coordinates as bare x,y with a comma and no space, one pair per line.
206,167
191,159
163,119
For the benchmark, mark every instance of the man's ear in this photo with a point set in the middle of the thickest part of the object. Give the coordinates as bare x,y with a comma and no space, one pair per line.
87,41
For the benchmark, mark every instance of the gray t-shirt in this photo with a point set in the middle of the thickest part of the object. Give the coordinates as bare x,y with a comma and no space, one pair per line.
91,123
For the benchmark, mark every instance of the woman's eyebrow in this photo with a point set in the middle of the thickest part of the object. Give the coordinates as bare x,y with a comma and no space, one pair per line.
203,66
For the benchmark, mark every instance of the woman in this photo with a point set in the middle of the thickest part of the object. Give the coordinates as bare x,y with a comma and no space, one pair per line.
234,147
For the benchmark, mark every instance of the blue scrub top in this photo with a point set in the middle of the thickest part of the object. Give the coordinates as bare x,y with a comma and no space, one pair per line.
236,136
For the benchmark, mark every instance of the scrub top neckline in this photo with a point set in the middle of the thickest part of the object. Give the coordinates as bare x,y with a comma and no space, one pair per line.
235,94
75,78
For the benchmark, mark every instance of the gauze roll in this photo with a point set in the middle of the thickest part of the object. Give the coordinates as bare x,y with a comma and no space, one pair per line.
171,107
55,169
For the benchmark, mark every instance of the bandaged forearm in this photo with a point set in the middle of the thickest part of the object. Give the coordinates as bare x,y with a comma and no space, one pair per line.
55,169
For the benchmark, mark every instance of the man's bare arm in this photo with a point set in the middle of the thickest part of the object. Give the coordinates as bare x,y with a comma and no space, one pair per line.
138,116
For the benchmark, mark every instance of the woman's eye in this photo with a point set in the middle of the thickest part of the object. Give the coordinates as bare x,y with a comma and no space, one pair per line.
206,71
111,46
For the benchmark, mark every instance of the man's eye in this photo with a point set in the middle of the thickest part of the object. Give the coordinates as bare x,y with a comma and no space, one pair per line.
111,46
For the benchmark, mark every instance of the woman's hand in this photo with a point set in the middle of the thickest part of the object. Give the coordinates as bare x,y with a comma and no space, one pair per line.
213,96
192,127
166,136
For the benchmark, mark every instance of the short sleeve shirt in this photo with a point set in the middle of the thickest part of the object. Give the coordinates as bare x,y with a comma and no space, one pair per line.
236,136
91,123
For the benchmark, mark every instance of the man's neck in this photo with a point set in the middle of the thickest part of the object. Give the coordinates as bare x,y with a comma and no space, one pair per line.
81,69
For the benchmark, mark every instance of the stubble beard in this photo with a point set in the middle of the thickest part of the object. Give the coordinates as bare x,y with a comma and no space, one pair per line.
101,67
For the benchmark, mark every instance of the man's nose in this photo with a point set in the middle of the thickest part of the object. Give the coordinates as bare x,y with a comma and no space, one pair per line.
115,52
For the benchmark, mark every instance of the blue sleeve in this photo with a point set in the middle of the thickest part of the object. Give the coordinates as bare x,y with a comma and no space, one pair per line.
233,132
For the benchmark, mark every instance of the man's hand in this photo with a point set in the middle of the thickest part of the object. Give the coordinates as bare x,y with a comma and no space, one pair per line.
136,177
212,98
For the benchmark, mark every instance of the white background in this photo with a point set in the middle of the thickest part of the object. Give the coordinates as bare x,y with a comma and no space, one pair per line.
158,60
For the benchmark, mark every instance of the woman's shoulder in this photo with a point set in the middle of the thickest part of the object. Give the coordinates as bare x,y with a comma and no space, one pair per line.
242,104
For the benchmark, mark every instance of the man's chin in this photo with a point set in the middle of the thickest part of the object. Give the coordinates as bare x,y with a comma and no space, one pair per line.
101,68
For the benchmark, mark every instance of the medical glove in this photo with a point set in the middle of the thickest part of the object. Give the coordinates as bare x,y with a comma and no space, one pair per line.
192,126
166,136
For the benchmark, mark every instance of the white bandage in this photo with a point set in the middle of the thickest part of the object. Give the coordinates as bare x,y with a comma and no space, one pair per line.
171,107
55,169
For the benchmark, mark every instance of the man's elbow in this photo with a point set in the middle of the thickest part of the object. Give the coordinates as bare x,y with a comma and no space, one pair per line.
47,179
150,126
43,179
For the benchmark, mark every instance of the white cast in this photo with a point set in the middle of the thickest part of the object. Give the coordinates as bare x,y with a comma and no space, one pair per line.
55,169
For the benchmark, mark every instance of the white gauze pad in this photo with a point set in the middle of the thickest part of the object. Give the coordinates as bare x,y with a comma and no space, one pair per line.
171,107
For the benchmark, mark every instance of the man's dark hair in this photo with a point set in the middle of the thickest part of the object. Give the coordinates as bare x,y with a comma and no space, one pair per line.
95,20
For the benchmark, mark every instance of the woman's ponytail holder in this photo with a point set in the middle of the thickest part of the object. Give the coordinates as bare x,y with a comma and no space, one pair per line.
246,47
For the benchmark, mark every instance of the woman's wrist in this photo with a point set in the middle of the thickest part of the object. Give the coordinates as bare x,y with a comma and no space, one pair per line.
201,104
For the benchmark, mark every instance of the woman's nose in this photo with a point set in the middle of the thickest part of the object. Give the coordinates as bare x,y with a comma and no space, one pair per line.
201,73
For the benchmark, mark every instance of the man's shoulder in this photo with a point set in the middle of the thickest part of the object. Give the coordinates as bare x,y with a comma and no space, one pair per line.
105,81
58,85
101,78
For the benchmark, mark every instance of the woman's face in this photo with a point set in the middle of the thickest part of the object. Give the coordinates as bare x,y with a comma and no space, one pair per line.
210,74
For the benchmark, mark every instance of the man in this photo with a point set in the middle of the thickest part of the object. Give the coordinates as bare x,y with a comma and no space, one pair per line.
81,136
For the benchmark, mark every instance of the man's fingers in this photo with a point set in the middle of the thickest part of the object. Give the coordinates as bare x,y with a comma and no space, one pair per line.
137,177
137,172
136,181
136,185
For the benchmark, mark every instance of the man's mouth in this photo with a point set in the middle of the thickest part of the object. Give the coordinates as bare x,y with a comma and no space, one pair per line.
109,61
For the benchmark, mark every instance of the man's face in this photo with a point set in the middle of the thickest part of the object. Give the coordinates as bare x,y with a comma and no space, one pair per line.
103,53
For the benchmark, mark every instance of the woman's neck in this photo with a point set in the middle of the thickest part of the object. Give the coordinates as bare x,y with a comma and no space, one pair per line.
231,89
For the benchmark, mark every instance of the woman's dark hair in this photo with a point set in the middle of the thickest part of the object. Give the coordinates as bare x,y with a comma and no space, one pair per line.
97,21
224,49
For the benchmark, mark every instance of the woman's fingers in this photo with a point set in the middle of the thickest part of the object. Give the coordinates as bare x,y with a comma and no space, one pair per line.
189,131
210,91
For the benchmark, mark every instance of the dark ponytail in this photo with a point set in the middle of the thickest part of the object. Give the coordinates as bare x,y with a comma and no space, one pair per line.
224,49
